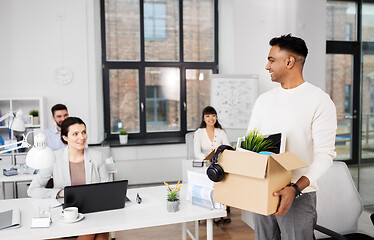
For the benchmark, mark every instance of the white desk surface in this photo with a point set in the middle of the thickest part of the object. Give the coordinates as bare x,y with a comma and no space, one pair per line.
151,212
17,178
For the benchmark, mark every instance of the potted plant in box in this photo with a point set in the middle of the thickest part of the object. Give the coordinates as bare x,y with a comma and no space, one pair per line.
123,137
35,117
256,142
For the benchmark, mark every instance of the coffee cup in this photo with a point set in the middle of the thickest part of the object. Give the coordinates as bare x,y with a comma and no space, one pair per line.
70,213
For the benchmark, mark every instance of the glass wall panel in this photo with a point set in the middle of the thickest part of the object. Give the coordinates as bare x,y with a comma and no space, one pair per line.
341,21
198,30
339,74
366,185
161,30
122,32
162,99
368,22
124,100
198,95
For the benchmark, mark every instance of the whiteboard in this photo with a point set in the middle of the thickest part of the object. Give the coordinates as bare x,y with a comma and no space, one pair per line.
233,97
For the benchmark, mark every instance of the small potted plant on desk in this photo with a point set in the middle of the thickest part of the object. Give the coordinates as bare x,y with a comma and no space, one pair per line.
123,137
35,117
172,204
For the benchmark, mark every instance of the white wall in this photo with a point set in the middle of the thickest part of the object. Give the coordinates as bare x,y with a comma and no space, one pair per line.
39,36
245,28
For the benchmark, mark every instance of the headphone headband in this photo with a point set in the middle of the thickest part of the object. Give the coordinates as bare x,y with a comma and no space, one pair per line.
220,149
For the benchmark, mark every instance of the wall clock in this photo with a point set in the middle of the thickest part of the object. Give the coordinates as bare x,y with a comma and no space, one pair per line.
63,75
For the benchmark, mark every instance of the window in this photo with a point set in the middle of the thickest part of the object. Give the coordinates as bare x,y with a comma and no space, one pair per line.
349,32
158,55
349,74
157,107
154,21
341,20
347,102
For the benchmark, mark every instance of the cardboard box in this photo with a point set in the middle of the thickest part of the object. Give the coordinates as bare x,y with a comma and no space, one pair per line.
251,178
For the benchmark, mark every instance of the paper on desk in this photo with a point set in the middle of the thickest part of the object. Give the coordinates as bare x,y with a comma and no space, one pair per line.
10,219
201,188
202,196
199,179
40,222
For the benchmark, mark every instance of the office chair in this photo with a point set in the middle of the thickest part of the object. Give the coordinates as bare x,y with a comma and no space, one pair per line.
339,205
337,236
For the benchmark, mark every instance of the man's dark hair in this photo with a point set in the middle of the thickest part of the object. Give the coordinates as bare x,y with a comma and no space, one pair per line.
67,123
58,107
291,44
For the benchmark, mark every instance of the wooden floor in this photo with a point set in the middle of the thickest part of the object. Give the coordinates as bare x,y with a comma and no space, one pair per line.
236,230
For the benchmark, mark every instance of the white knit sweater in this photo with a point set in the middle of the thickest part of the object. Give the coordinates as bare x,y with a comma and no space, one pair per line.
307,116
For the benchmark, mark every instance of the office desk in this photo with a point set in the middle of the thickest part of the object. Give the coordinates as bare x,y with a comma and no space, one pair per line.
151,212
14,179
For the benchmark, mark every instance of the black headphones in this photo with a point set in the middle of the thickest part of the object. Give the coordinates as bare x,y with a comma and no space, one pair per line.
215,172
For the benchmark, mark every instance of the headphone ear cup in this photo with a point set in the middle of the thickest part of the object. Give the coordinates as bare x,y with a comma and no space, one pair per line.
215,172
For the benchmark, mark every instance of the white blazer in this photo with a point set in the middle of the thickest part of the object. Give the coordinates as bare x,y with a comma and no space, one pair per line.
95,169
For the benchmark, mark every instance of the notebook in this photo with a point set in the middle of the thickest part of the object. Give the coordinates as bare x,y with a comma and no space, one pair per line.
10,219
96,197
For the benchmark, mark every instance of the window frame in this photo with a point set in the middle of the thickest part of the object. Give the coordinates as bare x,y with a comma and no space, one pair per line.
141,65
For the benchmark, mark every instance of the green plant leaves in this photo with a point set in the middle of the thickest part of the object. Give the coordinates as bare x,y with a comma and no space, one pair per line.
256,142
173,196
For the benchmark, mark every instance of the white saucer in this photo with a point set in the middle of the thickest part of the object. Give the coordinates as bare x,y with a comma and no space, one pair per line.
62,219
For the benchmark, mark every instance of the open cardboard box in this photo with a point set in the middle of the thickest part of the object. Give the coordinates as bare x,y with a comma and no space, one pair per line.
251,179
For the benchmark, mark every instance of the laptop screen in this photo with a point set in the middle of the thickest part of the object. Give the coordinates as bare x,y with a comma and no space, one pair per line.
96,197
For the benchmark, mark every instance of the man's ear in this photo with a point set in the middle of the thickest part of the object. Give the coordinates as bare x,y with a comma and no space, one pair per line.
290,61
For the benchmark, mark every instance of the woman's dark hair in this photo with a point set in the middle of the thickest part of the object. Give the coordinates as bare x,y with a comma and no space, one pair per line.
206,111
67,123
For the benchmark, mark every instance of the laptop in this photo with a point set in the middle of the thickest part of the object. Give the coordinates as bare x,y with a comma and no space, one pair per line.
96,197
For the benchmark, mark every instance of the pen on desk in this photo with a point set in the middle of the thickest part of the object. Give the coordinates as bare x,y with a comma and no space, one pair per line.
168,186
138,198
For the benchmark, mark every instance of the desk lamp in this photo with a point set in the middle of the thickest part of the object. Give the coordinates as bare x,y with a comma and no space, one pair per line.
39,157
17,124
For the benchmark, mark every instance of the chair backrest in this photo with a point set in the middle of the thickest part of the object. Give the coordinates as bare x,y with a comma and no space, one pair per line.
339,204
189,143
106,151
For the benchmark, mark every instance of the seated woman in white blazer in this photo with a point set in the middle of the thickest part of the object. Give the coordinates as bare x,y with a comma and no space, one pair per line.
75,165
209,135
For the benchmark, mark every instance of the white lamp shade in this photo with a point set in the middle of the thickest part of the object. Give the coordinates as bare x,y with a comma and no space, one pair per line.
18,125
40,158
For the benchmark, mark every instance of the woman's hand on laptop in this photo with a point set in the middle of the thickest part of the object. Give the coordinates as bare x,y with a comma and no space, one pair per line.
60,194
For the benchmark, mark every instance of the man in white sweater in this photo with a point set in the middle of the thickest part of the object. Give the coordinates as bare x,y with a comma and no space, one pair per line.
307,116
